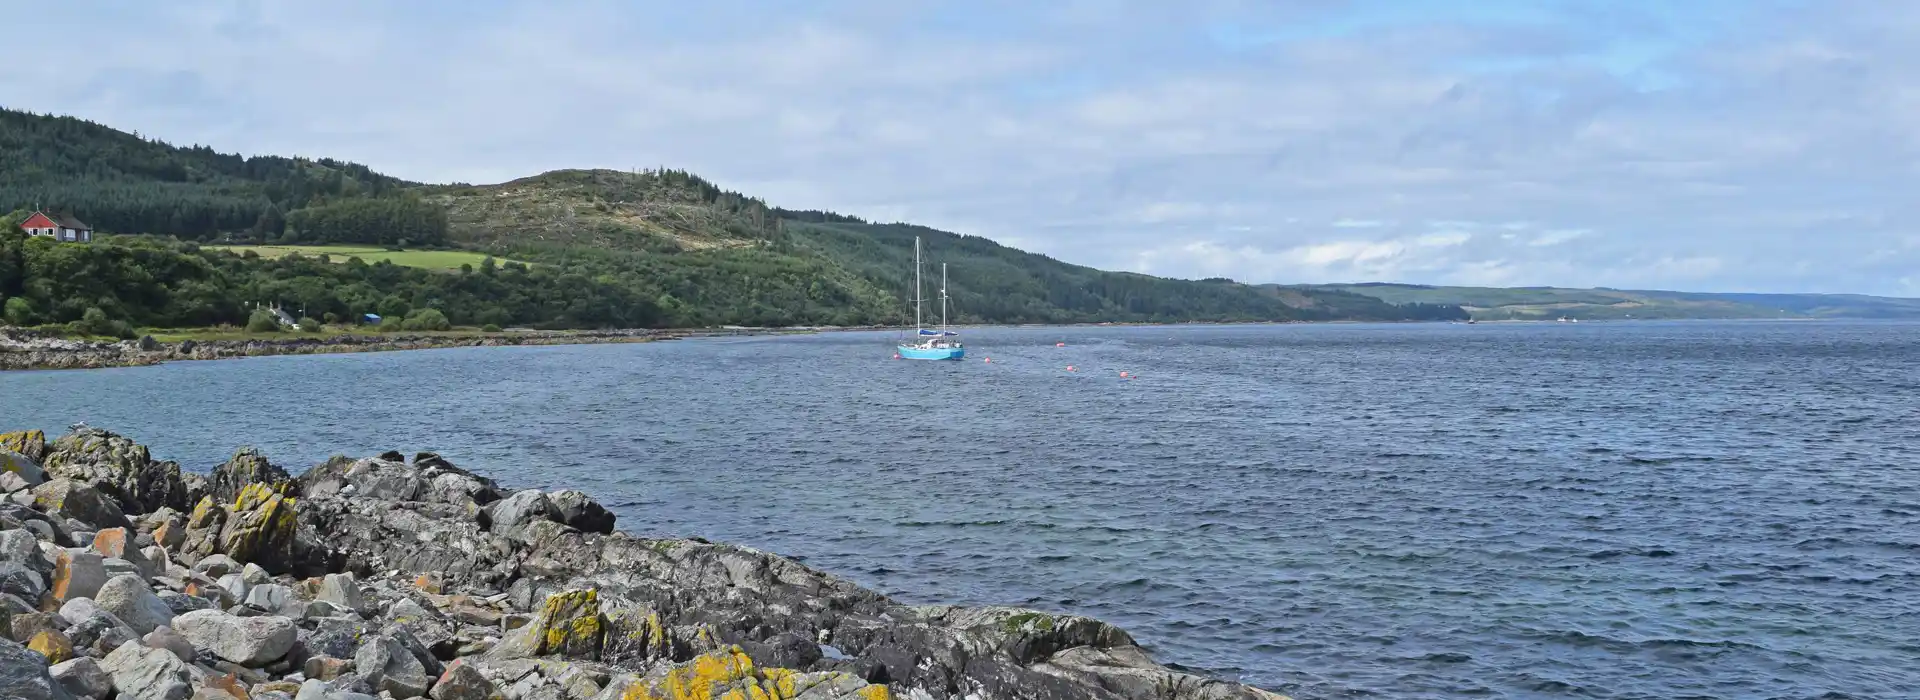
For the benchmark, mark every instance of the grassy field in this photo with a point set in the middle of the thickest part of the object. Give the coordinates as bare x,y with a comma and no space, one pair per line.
429,259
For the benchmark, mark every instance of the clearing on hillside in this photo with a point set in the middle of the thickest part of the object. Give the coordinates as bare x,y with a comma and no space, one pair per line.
429,259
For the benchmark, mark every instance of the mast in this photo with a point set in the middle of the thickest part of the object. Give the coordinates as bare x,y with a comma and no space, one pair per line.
917,295
943,296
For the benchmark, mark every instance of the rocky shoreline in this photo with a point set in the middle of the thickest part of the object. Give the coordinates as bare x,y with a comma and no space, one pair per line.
25,350
388,577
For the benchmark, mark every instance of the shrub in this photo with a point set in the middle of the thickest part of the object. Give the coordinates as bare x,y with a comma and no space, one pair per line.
331,318
490,328
262,321
390,324
426,320
20,312
309,324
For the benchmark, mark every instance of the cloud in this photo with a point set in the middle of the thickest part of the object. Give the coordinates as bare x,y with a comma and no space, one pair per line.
1713,145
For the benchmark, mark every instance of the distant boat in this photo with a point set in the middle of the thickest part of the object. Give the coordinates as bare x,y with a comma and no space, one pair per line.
930,343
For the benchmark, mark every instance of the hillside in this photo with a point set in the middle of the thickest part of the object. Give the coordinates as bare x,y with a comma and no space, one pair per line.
989,282
698,254
1545,303
653,210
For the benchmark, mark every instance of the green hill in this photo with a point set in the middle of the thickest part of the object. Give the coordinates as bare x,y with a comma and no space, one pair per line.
1547,303
696,253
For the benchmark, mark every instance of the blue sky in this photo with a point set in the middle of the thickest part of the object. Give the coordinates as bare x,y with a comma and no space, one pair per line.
1760,145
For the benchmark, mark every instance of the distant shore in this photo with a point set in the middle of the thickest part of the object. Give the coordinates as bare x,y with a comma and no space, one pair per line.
22,349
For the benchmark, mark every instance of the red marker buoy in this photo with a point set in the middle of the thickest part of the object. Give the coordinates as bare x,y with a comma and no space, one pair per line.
1070,368
989,359
896,356
1059,345
1123,374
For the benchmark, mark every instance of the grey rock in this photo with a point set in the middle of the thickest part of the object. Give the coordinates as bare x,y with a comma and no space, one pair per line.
235,584
247,466
83,678
181,602
249,641
343,591
84,572
391,667
101,631
23,468
215,565
20,547
271,597
22,626
338,637
581,512
23,674
66,498
79,609
147,673
24,498
116,566
321,608
122,468
13,483
129,598
18,579
512,515
253,575
166,638
462,681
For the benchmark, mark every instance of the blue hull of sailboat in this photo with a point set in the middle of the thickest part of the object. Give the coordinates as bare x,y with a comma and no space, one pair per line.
913,353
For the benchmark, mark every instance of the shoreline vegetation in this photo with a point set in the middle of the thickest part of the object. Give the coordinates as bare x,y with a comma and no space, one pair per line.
411,578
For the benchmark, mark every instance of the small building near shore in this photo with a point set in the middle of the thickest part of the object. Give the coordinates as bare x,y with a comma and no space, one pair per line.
370,319
59,227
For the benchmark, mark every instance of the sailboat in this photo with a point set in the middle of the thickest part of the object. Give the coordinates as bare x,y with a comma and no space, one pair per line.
930,343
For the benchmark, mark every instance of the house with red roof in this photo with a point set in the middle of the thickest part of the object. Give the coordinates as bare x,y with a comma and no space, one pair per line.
59,227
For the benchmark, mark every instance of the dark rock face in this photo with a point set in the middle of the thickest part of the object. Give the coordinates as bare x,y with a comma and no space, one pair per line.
247,466
377,576
124,470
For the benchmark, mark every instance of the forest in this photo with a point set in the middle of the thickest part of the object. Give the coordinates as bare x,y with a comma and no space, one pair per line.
607,249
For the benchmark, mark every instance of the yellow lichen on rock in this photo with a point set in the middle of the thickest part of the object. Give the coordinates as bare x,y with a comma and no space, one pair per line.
729,674
570,623
52,645
204,513
32,443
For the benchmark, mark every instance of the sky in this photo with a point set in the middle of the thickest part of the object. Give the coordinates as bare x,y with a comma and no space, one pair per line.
1709,145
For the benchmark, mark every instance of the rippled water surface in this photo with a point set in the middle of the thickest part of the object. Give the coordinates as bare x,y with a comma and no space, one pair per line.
1722,510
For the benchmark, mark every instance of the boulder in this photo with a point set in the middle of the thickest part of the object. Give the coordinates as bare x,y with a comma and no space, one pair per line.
569,623
129,598
82,678
25,469
31,443
147,673
77,574
100,631
729,672
16,578
21,547
511,516
53,645
79,609
342,591
461,681
67,498
21,627
269,597
249,641
260,528
254,575
579,511
246,468
23,674
13,483
215,565
122,468
389,666
166,638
